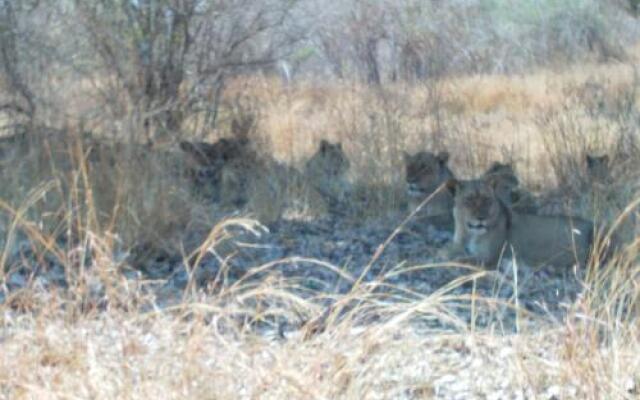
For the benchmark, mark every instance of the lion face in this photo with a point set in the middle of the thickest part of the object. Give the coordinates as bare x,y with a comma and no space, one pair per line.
425,172
331,159
236,176
598,169
475,204
326,170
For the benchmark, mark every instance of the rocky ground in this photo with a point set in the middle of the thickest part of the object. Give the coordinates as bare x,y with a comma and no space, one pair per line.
397,258
420,349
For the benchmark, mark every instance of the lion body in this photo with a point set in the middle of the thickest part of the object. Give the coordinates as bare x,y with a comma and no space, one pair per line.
425,173
205,161
486,230
269,188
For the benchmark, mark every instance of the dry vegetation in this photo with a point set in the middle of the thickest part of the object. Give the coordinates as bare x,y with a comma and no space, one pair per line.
92,185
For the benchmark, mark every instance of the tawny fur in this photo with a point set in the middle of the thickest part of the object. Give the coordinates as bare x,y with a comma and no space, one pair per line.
486,231
269,188
425,173
507,187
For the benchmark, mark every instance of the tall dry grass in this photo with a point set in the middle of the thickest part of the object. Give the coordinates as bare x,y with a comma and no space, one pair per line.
104,337
111,333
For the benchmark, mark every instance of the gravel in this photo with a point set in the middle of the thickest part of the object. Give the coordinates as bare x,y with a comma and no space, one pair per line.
355,246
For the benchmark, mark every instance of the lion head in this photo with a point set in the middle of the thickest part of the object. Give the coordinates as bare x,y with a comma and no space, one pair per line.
598,170
205,161
504,181
425,172
330,160
326,170
476,205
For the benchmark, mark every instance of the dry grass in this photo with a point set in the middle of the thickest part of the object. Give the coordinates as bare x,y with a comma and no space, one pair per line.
498,114
108,336
104,338
544,123
117,357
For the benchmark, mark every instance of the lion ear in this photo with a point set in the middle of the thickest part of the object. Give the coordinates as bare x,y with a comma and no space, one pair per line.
443,157
452,186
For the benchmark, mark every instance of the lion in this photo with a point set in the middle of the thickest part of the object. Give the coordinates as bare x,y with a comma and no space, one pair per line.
269,189
486,230
508,189
598,171
235,181
326,171
600,184
205,161
425,173
214,155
